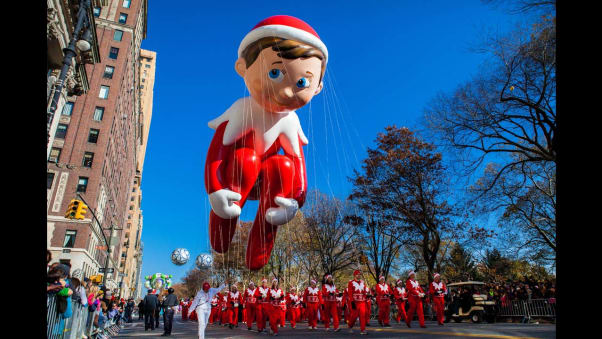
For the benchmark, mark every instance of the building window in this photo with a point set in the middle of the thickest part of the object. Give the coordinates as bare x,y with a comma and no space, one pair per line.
69,238
55,153
61,131
147,66
82,184
104,92
117,35
93,136
88,159
141,86
97,11
108,74
98,113
113,52
49,180
123,18
126,3
68,108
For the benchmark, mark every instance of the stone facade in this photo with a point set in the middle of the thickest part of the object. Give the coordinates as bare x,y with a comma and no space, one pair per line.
100,145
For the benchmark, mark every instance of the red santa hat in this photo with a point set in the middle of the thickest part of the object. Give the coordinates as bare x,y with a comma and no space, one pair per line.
410,274
312,281
399,281
382,277
286,27
276,280
264,280
328,276
436,275
356,272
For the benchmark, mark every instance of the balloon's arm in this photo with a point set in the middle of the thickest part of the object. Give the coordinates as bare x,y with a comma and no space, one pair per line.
214,291
300,179
215,156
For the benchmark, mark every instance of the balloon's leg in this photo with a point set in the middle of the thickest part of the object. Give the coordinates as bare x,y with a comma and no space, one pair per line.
277,173
241,173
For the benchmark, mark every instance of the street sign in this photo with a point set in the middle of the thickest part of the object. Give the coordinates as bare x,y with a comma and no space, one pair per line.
105,270
66,250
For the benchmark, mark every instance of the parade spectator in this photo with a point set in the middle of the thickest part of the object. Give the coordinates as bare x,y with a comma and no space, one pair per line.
169,305
129,309
150,304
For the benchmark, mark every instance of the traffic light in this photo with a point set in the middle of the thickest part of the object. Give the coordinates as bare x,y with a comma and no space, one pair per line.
72,209
81,210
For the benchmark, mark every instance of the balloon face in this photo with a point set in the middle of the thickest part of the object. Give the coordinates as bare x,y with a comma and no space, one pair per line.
204,261
158,283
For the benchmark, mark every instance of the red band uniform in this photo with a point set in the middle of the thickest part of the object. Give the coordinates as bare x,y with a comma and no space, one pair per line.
329,295
358,295
400,300
294,308
263,307
234,300
250,304
278,305
313,299
415,294
438,292
383,298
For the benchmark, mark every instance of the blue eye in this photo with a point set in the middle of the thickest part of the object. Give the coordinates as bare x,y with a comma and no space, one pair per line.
303,83
275,75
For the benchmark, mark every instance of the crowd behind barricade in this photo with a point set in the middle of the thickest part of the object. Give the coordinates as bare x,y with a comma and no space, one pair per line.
78,307
527,289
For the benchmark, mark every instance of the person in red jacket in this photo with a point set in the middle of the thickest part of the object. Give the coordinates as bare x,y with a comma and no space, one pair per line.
234,299
437,291
277,301
313,300
400,300
293,306
215,309
339,299
263,307
184,305
358,293
329,295
415,295
223,305
250,302
369,302
383,298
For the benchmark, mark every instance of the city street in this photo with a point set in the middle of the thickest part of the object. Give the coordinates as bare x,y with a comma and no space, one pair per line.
188,329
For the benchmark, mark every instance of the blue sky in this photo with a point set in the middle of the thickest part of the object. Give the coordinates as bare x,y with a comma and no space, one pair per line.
386,62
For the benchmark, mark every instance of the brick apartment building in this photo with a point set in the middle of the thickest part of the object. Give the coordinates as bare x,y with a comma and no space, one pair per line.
95,150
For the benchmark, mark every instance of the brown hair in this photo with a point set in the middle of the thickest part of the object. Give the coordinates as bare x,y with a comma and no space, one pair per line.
286,48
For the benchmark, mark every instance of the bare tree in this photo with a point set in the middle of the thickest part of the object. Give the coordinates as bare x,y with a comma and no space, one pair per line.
332,238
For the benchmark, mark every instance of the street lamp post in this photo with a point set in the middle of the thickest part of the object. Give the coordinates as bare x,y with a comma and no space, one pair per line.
83,45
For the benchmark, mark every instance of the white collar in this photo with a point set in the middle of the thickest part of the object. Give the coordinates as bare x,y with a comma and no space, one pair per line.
358,287
330,288
439,285
312,290
246,115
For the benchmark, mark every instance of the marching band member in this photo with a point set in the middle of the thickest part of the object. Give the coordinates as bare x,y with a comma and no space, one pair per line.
263,308
357,295
400,300
437,290
294,306
339,302
383,298
416,293
223,305
201,304
329,295
313,299
234,299
250,305
278,301
369,302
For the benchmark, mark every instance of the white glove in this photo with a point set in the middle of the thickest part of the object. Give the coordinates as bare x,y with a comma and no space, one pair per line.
222,203
283,214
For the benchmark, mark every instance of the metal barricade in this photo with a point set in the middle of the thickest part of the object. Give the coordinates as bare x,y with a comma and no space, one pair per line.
528,308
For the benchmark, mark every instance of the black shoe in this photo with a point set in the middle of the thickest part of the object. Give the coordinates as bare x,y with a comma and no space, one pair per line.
231,326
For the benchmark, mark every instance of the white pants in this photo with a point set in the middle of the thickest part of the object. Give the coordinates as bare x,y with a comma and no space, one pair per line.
203,312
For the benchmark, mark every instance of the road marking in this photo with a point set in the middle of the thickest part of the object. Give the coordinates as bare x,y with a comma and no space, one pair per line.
456,334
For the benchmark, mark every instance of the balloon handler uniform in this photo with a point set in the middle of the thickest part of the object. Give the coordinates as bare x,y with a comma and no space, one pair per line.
263,306
293,308
329,295
437,290
278,308
357,301
202,305
250,304
243,161
234,300
215,313
383,298
313,300
401,297
415,294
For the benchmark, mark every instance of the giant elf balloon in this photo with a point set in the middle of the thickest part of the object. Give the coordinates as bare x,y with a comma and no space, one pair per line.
180,256
282,61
